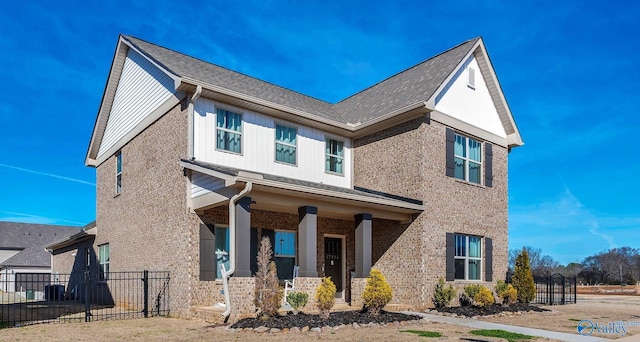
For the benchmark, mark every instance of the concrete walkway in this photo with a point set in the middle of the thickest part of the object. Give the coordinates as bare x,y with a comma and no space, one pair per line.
476,324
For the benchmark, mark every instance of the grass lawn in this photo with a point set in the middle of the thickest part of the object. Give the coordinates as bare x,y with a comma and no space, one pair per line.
509,336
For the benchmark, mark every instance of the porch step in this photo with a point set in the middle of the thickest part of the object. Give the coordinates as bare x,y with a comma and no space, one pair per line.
211,314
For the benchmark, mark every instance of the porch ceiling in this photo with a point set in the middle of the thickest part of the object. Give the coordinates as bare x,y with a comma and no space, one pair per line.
279,194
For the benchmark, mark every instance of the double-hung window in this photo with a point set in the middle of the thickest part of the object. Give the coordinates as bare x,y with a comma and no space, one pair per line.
285,253
228,131
468,257
118,172
103,259
467,159
334,156
286,144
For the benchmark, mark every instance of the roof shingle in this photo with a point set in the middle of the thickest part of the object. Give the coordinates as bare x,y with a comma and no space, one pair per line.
31,238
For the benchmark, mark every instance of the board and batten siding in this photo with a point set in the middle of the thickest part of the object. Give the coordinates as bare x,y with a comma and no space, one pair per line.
471,105
258,146
142,89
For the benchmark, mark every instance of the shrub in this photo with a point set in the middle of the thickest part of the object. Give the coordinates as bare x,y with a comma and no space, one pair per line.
443,295
522,279
326,296
484,297
377,293
470,292
268,294
506,292
297,300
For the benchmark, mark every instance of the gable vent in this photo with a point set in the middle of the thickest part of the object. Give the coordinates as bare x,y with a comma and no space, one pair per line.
471,82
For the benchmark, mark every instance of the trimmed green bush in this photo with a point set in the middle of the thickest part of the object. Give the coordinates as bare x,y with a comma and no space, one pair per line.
484,297
522,278
326,296
443,294
297,300
506,292
377,293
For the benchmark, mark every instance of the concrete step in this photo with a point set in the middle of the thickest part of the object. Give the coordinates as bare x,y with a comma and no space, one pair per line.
211,314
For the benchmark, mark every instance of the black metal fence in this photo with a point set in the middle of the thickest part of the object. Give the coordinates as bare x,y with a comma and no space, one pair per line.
555,289
31,298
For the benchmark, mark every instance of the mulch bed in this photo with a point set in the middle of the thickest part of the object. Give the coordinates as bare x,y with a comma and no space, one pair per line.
471,311
302,320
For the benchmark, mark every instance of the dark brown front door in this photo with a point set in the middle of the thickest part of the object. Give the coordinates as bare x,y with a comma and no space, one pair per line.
333,261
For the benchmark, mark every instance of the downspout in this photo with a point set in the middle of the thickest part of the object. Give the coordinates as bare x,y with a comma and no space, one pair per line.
232,246
190,124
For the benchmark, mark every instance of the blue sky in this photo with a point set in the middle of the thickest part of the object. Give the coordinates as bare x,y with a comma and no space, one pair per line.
568,70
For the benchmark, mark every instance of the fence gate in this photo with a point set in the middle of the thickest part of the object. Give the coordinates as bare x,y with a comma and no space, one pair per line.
555,289
31,298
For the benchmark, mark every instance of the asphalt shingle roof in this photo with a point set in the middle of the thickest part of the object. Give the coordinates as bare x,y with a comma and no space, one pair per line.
31,238
408,87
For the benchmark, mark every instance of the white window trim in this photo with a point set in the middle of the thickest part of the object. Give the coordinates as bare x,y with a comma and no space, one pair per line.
467,257
275,145
467,159
241,131
326,139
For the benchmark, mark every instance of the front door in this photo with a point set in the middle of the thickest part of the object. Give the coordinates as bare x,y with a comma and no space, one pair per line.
333,262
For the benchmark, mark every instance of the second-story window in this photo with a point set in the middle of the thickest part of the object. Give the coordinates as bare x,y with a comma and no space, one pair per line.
334,156
286,144
228,131
118,172
468,159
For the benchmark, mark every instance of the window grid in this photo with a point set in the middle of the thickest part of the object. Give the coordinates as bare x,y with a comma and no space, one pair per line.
103,260
334,156
118,172
228,131
468,159
468,257
286,147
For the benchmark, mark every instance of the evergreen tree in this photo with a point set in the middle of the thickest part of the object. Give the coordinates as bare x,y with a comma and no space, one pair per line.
523,279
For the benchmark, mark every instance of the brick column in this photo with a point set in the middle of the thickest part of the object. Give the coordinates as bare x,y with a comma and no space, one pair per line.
243,237
363,245
308,241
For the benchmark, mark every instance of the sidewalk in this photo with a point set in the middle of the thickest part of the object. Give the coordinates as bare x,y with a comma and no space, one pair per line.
472,323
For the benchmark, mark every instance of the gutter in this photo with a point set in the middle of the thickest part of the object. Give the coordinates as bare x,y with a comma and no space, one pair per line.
232,246
190,123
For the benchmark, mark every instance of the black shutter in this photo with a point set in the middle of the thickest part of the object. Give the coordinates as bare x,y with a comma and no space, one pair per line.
488,164
253,250
451,140
451,249
488,259
207,253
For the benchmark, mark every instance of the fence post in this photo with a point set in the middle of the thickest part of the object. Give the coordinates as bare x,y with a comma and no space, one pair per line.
145,281
87,296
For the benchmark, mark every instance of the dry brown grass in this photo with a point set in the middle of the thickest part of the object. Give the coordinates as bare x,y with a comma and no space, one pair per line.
629,290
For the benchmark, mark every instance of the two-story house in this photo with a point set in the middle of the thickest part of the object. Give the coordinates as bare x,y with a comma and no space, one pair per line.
195,163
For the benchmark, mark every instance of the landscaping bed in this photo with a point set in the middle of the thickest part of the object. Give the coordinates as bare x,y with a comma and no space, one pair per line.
306,321
472,311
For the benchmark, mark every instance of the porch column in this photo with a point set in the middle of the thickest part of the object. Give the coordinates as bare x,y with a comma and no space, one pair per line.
363,245
308,241
243,237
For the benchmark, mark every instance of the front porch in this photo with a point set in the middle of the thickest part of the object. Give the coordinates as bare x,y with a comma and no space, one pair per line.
325,230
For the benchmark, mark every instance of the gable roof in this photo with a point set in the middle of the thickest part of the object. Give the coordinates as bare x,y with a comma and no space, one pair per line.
31,239
405,92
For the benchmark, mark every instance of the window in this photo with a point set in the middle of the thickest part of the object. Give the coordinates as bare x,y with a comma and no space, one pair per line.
467,159
222,249
228,131
285,253
468,257
118,172
285,144
334,156
103,260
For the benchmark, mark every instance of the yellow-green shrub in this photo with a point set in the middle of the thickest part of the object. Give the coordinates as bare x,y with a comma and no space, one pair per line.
377,293
484,297
326,296
470,292
506,292
443,295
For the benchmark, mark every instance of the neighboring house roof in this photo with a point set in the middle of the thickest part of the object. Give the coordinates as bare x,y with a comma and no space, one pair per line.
415,88
31,238
87,232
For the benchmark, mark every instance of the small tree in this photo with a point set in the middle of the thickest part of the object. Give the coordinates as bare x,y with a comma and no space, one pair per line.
377,293
297,300
326,296
267,291
443,295
484,297
522,279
